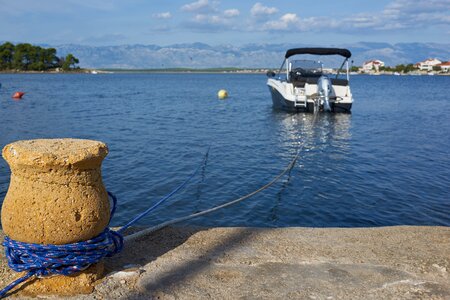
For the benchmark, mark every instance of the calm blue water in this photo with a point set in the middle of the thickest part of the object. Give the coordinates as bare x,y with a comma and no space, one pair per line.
385,164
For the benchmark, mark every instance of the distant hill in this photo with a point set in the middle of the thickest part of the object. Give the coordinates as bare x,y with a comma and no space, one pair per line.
199,55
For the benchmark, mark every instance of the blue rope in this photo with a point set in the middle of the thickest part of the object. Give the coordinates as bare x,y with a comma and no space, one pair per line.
44,260
147,211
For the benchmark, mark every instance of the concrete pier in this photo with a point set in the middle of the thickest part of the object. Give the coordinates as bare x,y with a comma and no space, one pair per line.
402,262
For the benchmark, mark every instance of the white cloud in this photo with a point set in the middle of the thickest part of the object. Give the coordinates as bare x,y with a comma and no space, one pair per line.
163,15
286,22
417,6
200,6
398,15
230,13
215,20
403,14
259,10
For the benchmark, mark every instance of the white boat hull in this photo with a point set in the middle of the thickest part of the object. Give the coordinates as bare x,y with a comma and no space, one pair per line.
286,97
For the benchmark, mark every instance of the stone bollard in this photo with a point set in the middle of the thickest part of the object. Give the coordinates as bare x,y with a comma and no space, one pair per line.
56,196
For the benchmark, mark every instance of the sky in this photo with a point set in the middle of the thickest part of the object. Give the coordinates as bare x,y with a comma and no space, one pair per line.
231,22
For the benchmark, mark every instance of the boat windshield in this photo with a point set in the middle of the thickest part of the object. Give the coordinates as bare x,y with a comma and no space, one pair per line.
306,67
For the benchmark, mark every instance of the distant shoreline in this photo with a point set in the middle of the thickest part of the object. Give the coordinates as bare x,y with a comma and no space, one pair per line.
195,71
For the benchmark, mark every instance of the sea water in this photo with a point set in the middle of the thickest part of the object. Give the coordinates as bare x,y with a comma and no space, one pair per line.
387,163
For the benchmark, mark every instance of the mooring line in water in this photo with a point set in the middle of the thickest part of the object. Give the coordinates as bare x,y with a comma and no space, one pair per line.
201,213
148,210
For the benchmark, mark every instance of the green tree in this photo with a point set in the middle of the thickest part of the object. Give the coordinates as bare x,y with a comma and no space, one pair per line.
409,68
6,55
26,57
69,61
21,57
399,68
437,68
354,69
49,58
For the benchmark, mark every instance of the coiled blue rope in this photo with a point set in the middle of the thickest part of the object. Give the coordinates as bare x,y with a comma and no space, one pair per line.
44,260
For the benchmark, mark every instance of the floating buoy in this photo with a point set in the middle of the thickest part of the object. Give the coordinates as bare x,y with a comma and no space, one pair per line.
222,94
18,95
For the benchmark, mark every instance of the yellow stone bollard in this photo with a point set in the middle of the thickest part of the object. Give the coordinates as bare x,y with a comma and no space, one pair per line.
56,196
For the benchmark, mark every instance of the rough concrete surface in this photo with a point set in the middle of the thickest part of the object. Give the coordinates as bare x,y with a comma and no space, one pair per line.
402,262
56,196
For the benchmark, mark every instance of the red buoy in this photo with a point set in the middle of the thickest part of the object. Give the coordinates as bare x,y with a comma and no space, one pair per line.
18,95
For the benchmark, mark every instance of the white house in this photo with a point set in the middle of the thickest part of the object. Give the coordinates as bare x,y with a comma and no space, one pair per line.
427,65
445,66
372,64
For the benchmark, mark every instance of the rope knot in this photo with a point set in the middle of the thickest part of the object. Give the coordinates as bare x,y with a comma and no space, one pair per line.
44,260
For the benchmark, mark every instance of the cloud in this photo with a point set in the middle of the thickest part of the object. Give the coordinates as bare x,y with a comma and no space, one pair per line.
403,14
230,13
397,15
286,22
259,10
211,23
200,6
214,22
417,6
417,13
163,15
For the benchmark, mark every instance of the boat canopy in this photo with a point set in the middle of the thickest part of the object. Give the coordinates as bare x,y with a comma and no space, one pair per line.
319,51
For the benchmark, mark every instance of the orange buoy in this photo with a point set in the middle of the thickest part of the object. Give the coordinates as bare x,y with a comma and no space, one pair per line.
18,95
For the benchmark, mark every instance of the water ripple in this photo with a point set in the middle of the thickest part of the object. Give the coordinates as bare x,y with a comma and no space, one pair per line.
384,164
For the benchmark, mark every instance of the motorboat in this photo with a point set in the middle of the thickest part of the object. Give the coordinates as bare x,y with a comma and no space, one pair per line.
304,85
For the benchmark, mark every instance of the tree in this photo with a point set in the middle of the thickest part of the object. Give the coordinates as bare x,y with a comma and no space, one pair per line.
409,68
354,69
26,57
21,57
49,58
399,68
69,61
6,55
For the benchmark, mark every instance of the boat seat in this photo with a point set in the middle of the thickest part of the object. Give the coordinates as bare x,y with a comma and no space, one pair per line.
339,81
300,81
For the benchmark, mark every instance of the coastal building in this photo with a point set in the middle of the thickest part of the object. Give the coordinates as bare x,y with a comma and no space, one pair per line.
445,66
371,65
428,64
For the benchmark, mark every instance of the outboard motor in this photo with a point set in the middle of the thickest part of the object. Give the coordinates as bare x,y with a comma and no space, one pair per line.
324,88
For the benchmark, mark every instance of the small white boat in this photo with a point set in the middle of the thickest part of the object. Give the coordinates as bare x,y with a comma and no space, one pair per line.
303,86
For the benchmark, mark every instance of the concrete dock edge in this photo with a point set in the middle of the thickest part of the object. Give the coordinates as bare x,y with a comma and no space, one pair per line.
400,262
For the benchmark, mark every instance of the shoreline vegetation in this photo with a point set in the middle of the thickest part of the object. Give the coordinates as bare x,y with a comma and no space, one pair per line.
79,70
30,59
25,57
252,71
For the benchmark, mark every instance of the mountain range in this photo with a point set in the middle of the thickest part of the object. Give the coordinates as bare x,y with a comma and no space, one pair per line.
200,55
